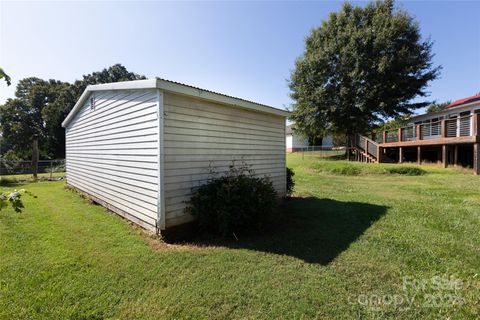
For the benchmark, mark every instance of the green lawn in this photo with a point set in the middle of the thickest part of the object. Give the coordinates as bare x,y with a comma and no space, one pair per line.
343,244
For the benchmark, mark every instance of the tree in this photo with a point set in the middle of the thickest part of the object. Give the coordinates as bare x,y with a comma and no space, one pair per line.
394,123
40,106
361,66
22,118
115,73
19,123
435,107
5,76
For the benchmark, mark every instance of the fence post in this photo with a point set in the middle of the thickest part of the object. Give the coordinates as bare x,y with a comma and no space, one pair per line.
51,169
35,157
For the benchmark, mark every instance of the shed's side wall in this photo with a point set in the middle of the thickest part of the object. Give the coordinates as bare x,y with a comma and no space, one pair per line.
112,152
201,136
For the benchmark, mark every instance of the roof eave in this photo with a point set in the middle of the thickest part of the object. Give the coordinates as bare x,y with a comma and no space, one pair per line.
175,88
125,85
219,98
446,110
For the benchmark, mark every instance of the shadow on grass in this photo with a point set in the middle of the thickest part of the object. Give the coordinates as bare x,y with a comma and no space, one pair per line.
314,230
336,157
8,182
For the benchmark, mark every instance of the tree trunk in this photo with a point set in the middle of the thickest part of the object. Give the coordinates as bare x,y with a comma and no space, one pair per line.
350,143
320,141
315,141
349,146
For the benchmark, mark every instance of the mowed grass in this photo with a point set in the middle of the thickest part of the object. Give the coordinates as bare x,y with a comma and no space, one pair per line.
340,249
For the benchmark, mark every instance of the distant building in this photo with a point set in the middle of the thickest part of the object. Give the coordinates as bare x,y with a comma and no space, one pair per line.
296,142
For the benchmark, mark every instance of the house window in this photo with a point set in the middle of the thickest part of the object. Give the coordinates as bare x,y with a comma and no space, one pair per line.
465,113
477,111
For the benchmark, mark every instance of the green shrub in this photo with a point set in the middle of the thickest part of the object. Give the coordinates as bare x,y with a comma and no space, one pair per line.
236,202
10,161
357,168
7,181
409,171
346,169
290,181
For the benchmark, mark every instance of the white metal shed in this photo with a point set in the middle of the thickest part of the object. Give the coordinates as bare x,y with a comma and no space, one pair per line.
140,147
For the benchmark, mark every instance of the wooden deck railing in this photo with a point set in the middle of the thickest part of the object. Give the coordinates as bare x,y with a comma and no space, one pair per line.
367,145
448,128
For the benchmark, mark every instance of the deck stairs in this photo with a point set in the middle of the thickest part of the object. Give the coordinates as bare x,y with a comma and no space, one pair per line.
365,149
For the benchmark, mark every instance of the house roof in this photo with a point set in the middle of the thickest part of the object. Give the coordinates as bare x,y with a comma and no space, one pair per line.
175,87
464,101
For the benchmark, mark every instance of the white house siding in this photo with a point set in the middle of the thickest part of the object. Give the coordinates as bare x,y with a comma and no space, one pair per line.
289,140
201,137
327,142
112,152
294,142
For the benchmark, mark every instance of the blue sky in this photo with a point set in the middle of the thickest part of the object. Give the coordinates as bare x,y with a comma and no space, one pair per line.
243,49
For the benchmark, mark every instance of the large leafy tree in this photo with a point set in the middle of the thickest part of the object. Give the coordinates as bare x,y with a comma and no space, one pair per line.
435,107
5,76
40,106
21,118
362,65
114,73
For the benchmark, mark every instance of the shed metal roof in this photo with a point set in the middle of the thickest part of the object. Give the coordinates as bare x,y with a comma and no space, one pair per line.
175,87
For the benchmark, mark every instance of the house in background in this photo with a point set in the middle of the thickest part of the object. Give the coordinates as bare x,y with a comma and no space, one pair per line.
140,148
296,142
450,137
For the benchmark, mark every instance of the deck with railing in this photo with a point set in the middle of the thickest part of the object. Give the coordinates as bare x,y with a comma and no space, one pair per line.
448,131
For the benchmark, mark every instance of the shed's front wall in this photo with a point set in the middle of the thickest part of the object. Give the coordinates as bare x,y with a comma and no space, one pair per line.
112,152
201,137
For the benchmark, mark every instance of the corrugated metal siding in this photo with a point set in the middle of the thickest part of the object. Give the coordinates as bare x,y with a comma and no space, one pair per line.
201,136
112,152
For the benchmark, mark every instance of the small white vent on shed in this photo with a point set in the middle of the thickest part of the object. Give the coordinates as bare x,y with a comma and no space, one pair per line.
92,102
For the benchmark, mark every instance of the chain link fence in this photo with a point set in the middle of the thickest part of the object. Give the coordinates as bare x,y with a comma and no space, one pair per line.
46,168
320,151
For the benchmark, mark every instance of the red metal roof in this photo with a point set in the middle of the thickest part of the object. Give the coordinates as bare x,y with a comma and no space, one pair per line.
464,101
